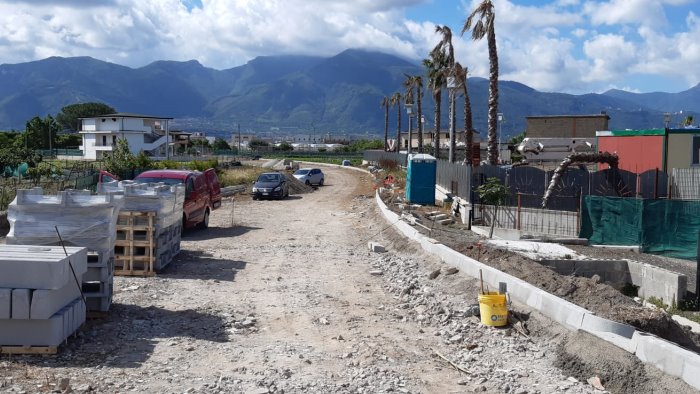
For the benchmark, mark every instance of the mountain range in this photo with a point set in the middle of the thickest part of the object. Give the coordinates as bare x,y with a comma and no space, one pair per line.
296,94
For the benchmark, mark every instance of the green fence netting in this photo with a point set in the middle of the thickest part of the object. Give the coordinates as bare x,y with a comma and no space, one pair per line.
665,227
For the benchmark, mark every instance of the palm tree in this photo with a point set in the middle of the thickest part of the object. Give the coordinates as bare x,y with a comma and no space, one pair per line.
445,44
461,75
418,81
385,103
446,48
408,83
396,100
485,27
436,81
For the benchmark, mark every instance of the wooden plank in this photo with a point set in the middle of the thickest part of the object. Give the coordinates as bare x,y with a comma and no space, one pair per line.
28,349
134,273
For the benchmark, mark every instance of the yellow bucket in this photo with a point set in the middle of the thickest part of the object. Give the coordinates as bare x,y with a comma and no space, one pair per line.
493,309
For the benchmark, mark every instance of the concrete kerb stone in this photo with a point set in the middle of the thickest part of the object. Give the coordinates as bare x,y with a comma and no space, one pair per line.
664,355
5,303
668,357
21,303
621,335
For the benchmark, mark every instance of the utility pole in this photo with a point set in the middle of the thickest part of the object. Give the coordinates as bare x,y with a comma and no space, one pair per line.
239,138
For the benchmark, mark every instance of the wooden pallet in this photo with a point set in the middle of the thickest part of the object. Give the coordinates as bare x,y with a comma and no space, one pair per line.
28,349
134,249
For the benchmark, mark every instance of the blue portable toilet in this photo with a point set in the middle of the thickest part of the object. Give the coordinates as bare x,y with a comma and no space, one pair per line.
420,179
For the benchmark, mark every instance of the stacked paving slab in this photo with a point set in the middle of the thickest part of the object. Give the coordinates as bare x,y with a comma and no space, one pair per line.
84,220
40,302
150,224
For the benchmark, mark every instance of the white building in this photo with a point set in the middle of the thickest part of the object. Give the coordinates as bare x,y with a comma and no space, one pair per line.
143,132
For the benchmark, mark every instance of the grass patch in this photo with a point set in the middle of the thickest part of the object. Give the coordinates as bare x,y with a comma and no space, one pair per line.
243,175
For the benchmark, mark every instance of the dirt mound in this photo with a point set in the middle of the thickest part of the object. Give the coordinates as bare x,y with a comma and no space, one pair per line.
296,187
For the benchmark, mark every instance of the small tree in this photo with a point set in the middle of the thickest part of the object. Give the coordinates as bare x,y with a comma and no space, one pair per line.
493,192
121,162
285,146
220,144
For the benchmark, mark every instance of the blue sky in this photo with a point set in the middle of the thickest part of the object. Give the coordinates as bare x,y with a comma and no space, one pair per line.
573,46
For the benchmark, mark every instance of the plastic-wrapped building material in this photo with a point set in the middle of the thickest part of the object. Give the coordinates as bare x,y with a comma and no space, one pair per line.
82,219
166,201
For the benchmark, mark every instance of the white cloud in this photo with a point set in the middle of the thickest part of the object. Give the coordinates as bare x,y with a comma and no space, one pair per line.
612,57
537,45
645,12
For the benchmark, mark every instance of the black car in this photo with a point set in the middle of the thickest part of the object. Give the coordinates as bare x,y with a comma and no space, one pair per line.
270,185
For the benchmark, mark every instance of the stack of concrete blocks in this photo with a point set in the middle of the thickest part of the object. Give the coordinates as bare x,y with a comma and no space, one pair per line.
40,302
83,220
166,201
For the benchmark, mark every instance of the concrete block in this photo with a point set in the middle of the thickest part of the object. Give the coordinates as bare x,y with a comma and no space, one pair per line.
39,267
98,274
562,267
662,354
5,303
376,247
25,332
691,370
561,311
98,259
620,335
45,303
21,303
98,304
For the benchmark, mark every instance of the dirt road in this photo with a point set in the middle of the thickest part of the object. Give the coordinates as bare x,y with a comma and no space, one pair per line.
284,296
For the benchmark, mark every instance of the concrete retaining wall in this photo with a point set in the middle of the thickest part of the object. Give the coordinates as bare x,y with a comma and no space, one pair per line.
666,356
652,281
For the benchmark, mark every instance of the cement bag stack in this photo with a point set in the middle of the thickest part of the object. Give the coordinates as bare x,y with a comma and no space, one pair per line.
165,201
40,302
83,220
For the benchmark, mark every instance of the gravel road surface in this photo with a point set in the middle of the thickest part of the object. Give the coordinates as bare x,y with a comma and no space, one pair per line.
285,297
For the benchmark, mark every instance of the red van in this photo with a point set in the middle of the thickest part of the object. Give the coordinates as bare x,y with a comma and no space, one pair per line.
202,192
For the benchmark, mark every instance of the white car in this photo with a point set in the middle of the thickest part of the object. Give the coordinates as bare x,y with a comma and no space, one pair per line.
310,176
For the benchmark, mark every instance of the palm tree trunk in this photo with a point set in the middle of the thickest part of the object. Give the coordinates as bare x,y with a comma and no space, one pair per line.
418,120
398,128
468,125
386,127
493,98
438,109
453,126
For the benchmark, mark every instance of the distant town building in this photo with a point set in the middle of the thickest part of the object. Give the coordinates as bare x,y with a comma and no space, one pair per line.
566,126
143,133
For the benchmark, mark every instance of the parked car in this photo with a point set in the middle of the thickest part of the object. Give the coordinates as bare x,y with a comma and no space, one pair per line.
270,185
310,176
347,163
202,192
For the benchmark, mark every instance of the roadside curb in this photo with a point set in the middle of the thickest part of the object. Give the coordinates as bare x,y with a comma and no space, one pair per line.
666,356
